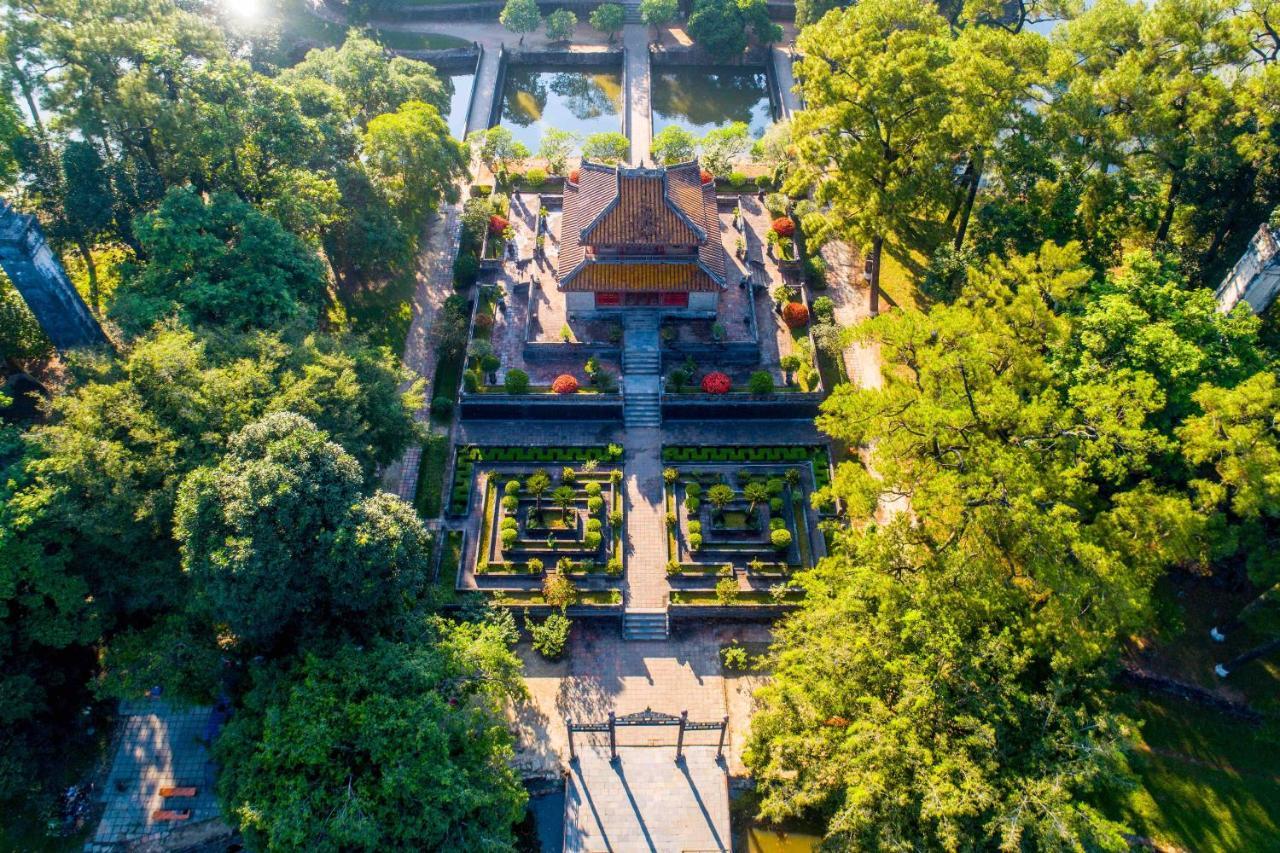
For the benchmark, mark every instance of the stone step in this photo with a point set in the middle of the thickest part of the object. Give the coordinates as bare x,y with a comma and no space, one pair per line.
645,625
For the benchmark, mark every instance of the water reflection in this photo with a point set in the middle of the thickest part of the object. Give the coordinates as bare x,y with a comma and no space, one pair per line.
702,99
460,84
582,100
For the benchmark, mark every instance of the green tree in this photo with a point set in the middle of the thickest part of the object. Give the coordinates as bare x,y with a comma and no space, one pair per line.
537,485
556,147
88,205
658,13
810,11
499,150
564,497
349,565
674,144
723,146
521,16
217,262
609,147
756,493
412,155
342,747
21,337
718,26
608,18
873,138
560,25
551,638
720,496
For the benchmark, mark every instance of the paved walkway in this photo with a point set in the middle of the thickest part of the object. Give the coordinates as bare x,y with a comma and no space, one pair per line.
853,305
435,284
646,584
782,60
635,41
645,801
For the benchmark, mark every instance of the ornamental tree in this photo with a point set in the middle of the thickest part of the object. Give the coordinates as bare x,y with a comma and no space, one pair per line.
521,16
657,13
674,144
716,383
724,146
560,25
720,496
795,314
608,147
784,226
556,147
565,384
609,18
414,159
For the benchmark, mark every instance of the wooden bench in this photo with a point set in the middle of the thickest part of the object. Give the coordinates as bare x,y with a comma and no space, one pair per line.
171,814
178,792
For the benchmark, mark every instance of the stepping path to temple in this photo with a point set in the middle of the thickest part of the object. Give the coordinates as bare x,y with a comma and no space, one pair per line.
635,42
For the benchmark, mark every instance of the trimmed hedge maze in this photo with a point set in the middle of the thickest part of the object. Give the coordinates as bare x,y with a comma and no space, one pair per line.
467,456
817,455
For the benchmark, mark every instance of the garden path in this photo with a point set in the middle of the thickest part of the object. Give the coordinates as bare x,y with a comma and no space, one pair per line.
782,60
646,584
635,40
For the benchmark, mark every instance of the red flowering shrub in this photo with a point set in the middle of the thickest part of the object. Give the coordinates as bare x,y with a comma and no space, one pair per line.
783,226
716,383
497,224
707,177
574,174
795,314
484,321
565,384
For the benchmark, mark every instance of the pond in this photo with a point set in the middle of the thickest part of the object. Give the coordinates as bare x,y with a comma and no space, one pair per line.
581,100
462,82
701,99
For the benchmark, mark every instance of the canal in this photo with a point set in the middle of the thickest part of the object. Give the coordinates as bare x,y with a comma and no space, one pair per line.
580,100
702,98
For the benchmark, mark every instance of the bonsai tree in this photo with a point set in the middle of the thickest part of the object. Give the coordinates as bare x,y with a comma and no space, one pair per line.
560,25
789,365
520,17
537,484
563,497
720,496
609,18
756,493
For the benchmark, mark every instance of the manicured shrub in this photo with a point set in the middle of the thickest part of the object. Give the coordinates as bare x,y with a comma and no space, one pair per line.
591,539
534,566
716,383
511,487
693,490
695,541
707,177
781,539
784,226
615,518
776,524
441,406
565,384
516,381
695,526
466,269
568,475
498,224
670,475
775,485
509,523
795,314
594,524
614,566
775,504
595,504
692,504
824,309
761,382
510,503
727,591
737,180
508,538
470,382
593,489
536,177
574,174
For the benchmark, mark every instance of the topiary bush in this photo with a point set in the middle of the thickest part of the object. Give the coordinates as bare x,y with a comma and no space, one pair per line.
695,541
784,227
824,309
693,490
591,539
511,487
716,383
498,224
536,177
761,382
691,503
593,489
565,384
516,381
595,504
795,315
441,406
508,537
551,637
781,538
511,503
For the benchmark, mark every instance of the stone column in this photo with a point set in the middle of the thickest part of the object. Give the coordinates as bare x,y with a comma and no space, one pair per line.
38,275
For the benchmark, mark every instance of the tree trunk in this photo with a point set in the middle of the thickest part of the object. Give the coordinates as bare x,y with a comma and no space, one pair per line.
877,248
967,210
95,303
1243,190
1171,201
957,198
1225,669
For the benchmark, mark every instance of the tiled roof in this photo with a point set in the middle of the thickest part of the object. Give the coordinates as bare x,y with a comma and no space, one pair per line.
613,206
608,276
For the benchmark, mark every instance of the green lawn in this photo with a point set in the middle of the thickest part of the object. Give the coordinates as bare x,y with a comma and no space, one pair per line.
447,579
431,470
1205,782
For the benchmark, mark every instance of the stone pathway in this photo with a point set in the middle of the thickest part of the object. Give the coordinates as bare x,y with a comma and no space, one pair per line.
782,61
434,285
853,305
635,41
645,585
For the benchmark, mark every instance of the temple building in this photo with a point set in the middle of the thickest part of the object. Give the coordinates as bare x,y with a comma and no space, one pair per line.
641,238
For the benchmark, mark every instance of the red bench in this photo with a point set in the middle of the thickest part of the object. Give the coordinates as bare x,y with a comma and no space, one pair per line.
171,814
178,792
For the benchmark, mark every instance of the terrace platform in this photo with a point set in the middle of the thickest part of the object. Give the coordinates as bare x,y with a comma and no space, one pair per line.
646,801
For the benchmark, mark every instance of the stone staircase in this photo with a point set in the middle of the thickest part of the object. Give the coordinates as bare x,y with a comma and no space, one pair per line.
633,13
641,367
645,625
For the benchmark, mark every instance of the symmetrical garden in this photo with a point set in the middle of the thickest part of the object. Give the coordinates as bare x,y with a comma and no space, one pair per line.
741,520
539,511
